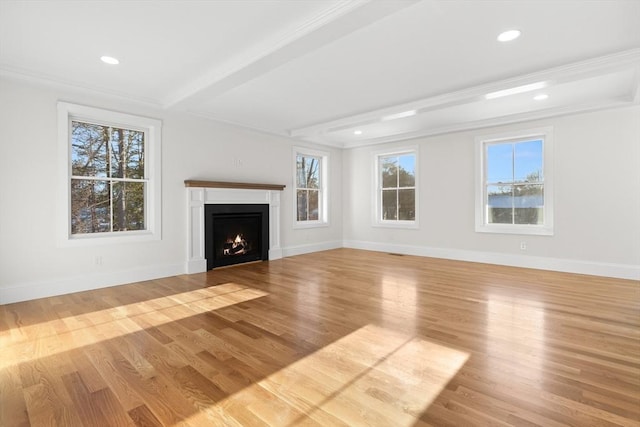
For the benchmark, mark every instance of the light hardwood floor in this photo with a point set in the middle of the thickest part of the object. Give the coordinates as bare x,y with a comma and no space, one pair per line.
336,338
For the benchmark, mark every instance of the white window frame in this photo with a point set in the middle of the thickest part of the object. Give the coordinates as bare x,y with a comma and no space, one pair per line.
323,190
377,214
153,206
481,142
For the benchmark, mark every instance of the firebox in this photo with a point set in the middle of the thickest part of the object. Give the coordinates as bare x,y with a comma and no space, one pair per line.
235,233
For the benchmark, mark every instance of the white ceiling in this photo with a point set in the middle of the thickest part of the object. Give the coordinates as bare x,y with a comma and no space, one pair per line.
317,70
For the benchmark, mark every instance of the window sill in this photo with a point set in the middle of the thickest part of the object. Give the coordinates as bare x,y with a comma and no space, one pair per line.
511,229
310,224
412,225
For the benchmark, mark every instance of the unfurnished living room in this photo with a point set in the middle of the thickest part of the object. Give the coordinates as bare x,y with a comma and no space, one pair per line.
320,212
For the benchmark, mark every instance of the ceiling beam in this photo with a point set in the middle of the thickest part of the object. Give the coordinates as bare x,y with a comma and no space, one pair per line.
332,24
595,67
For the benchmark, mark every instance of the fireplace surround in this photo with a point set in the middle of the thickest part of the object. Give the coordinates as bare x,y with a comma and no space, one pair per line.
203,193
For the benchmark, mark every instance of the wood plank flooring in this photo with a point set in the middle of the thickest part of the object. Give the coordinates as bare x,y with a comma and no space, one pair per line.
336,338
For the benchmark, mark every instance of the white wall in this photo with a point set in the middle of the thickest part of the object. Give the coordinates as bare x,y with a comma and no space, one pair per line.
597,199
31,264
597,196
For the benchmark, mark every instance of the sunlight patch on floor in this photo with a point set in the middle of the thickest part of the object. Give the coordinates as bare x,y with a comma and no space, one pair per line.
399,375
90,328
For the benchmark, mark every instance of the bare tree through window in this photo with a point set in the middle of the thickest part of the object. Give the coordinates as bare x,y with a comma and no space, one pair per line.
398,187
308,187
108,178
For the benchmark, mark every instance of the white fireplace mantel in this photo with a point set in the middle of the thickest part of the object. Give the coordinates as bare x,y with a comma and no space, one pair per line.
201,193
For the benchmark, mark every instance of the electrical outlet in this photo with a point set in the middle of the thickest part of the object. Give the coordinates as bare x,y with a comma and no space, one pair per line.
523,246
98,260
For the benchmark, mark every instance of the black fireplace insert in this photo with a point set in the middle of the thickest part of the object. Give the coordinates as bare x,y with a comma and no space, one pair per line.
236,233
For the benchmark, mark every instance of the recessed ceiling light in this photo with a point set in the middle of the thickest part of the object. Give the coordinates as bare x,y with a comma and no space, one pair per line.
109,60
507,36
515,90
357,132
541,97
399,115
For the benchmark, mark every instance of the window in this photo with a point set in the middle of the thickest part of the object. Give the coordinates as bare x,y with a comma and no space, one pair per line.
396,189
514,195
310,188
111,185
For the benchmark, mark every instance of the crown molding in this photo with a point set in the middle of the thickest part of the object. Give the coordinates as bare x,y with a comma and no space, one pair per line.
43,79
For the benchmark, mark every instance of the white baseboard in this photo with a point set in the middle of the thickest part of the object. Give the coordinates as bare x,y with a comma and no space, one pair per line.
42,289
196,266
622,271
313,247
275,253
49,288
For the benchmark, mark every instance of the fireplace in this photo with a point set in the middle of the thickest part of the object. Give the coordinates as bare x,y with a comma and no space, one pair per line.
236,233
201,194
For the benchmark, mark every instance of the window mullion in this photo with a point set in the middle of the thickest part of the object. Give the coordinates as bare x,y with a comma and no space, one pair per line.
106,178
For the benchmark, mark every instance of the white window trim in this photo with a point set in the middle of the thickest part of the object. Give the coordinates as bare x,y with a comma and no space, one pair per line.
323,217
377,220
153,204
545,229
